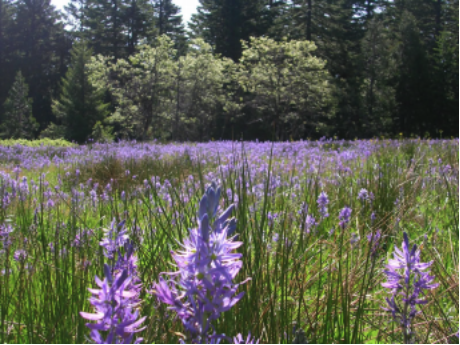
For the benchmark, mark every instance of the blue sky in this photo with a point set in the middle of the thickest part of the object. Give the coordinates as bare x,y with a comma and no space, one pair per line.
188,7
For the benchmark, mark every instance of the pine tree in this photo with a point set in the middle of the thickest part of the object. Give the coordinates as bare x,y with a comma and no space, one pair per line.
112,27
379,86
415,112
225,23
446,72
7,54
17,120
168,21
140,24
80,105
39,49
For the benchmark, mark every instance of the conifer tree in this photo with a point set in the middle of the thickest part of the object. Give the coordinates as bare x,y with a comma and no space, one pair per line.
112,27
17,121
7,54
168,21
80,105
40,50
225,23
378,90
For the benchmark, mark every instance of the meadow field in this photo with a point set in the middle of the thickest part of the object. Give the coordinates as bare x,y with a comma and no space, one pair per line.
317,247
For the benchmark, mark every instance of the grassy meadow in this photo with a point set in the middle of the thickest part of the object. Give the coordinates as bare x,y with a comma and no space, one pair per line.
313,275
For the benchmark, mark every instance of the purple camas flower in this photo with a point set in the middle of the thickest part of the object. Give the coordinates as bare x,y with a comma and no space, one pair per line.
406,277
5,239
323,201
203,286
82,238
114,238
373,217
249,340
115,312
310,223
20,255
344,217
128,263
363,195
354,239
374,239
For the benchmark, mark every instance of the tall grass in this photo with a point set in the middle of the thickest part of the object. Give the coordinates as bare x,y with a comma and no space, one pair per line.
325,281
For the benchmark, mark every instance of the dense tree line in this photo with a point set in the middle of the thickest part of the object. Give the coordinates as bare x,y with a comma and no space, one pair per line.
267,69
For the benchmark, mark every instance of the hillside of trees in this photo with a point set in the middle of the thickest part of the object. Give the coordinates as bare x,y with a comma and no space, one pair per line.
265,69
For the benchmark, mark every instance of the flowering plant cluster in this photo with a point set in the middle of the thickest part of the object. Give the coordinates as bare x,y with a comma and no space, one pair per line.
117,298
114,310
203,287
406,277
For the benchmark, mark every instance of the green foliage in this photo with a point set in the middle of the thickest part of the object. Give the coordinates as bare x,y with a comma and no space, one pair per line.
80,105
287,85
201,93
158,96
102,133
17,120
53,131
142,87
36,143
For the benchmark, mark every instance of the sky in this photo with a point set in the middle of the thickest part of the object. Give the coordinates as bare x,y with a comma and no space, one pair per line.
188,7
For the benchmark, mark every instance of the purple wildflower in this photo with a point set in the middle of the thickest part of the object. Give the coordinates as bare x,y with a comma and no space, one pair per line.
344,217
363,195
203,287
20,255
323,201
128,262
373,217
114,238
310,223
271,217
374,239
354,239
406,278
81,239
249,340
5,232
114,310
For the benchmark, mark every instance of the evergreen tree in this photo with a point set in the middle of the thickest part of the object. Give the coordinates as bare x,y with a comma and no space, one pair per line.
80,105
168,21
7,54
379,85
446,59
415,114
112,27
225,23
17,120
139,23
39,49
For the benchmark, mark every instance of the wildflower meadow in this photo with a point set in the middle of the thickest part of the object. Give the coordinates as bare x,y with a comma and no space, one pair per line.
327,241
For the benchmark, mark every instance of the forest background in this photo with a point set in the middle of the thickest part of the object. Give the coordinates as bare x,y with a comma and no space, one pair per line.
259,69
